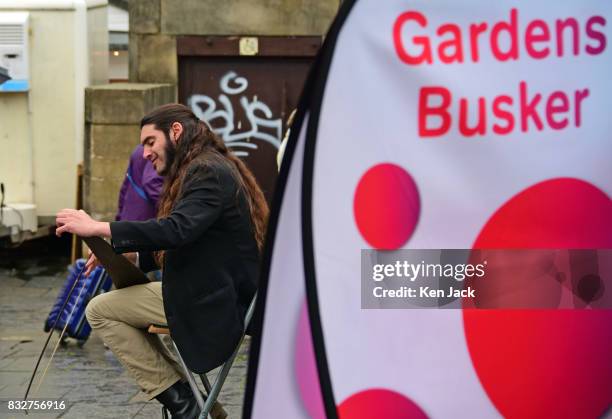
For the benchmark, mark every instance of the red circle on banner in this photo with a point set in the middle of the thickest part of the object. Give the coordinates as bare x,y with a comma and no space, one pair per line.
386,206
546,363
379,403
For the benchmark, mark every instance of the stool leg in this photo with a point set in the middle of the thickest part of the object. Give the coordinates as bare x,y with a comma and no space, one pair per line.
216,388
190,379
205,382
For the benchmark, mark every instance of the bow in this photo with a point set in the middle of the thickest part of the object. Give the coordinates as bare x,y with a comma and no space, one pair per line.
51,333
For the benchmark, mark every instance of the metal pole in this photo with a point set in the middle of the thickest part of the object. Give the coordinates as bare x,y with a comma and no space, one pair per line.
216,388
190,379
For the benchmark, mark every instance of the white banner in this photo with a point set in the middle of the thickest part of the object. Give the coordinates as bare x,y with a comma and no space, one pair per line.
444,124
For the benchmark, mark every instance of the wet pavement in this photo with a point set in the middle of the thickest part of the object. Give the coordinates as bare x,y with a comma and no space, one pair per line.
89,379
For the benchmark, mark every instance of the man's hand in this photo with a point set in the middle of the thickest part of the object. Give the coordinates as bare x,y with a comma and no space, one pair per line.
91,264
79,223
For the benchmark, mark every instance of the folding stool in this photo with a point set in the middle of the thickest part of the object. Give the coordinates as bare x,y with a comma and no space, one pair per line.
210,406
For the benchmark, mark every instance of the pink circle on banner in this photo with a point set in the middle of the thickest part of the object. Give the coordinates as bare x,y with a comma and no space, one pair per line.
379,403
306,368
386,206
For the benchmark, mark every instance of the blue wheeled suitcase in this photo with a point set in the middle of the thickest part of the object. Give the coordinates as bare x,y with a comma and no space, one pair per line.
73,311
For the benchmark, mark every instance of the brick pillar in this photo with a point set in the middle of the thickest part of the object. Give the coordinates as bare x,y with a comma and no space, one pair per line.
112,130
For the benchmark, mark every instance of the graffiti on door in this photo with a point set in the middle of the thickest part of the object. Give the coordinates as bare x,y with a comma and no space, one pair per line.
221,116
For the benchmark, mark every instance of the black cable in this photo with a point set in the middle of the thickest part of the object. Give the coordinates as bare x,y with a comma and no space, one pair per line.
1,201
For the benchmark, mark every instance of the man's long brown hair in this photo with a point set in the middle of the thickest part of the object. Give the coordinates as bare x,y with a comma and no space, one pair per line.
198,141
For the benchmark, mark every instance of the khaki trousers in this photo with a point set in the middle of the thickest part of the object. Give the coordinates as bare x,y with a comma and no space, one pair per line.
121,318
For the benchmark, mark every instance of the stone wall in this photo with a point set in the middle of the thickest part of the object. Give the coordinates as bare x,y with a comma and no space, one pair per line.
113,112
112,130
154,25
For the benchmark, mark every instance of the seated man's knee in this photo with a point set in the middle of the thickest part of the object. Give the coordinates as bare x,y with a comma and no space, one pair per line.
94,311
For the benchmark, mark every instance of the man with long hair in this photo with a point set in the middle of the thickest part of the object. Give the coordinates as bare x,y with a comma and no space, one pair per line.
207,239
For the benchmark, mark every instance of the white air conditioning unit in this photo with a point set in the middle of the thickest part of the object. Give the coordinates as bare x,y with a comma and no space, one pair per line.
14,51
19,218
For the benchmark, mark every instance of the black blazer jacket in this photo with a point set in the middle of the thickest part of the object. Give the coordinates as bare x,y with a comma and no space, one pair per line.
211,263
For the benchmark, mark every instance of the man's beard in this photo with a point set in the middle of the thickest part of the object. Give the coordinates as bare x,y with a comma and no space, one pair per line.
170,151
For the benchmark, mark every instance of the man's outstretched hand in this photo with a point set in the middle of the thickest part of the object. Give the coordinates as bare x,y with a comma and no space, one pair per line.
80,223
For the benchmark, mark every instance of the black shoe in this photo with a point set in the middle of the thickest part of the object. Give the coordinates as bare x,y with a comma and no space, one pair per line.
180,401
217,411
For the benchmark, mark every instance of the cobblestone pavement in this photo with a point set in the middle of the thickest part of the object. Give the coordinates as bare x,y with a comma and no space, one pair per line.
89,379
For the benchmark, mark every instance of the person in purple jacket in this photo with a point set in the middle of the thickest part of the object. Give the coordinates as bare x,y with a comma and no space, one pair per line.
140,190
